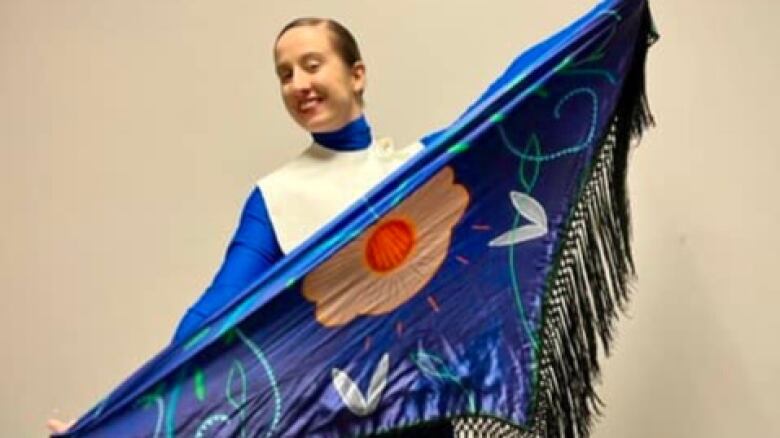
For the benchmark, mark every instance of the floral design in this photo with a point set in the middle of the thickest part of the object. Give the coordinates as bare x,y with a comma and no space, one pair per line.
393,259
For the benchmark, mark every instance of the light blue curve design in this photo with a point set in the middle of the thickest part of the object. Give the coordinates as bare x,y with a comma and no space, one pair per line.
160,404
271,378
435,367
158,400
557,114
170,416
594,116
238,404
210,422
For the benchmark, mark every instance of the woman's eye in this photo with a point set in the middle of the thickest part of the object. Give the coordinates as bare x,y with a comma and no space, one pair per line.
313,66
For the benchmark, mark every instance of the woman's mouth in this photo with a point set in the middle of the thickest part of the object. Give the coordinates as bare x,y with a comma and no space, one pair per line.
308,106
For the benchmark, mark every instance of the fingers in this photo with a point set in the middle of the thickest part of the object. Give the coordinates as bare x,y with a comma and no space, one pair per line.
59,426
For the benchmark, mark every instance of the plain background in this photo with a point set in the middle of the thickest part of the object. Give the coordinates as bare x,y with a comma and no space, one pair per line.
132,131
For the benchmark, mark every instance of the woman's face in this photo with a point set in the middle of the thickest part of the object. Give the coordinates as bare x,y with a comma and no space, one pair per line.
319,90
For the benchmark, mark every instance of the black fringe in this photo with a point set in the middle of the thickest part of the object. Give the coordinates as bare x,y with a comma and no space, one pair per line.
593,270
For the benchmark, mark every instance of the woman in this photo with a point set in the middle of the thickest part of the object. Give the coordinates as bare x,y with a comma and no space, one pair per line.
322,78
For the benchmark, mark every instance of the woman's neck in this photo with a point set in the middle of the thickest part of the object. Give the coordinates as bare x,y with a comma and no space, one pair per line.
355,135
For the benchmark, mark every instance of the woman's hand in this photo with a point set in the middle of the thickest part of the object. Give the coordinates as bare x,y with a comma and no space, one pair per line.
59,426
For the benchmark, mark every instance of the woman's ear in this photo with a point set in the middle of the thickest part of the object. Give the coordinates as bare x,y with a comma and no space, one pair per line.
358,71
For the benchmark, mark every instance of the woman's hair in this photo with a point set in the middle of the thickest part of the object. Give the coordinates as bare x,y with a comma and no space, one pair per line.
341,38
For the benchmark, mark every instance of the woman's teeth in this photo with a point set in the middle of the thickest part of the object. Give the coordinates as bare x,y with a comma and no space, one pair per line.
309,104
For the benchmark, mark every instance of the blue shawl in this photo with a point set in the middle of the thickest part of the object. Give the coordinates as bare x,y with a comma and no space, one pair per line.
480,279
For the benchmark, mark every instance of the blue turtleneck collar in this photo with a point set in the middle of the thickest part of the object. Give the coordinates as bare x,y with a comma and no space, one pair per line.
353,136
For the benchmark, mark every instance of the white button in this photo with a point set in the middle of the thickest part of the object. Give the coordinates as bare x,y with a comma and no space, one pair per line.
385,147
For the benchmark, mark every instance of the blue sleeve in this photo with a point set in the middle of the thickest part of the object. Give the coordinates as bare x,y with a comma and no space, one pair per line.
253,249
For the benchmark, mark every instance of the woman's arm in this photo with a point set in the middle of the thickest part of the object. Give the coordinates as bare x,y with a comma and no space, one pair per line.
253,249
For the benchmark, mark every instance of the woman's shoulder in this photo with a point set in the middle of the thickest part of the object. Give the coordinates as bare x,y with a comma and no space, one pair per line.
387,147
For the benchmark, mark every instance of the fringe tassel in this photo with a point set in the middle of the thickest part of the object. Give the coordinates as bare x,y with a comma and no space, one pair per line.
595,266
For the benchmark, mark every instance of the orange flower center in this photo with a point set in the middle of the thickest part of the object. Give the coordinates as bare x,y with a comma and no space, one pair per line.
389,245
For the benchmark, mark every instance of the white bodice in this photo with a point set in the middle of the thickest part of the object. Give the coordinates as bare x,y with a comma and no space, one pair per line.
311,190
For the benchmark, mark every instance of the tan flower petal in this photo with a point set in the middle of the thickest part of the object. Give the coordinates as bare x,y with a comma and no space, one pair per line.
393,259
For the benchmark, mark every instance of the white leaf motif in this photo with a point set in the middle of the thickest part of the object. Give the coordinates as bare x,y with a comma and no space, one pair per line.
351,395
530,209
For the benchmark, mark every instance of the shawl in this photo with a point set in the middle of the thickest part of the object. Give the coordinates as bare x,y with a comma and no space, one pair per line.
479,280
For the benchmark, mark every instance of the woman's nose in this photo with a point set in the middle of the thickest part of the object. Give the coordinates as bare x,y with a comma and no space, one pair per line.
301,81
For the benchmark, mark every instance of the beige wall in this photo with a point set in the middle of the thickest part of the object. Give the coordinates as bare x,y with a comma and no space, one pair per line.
132,131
